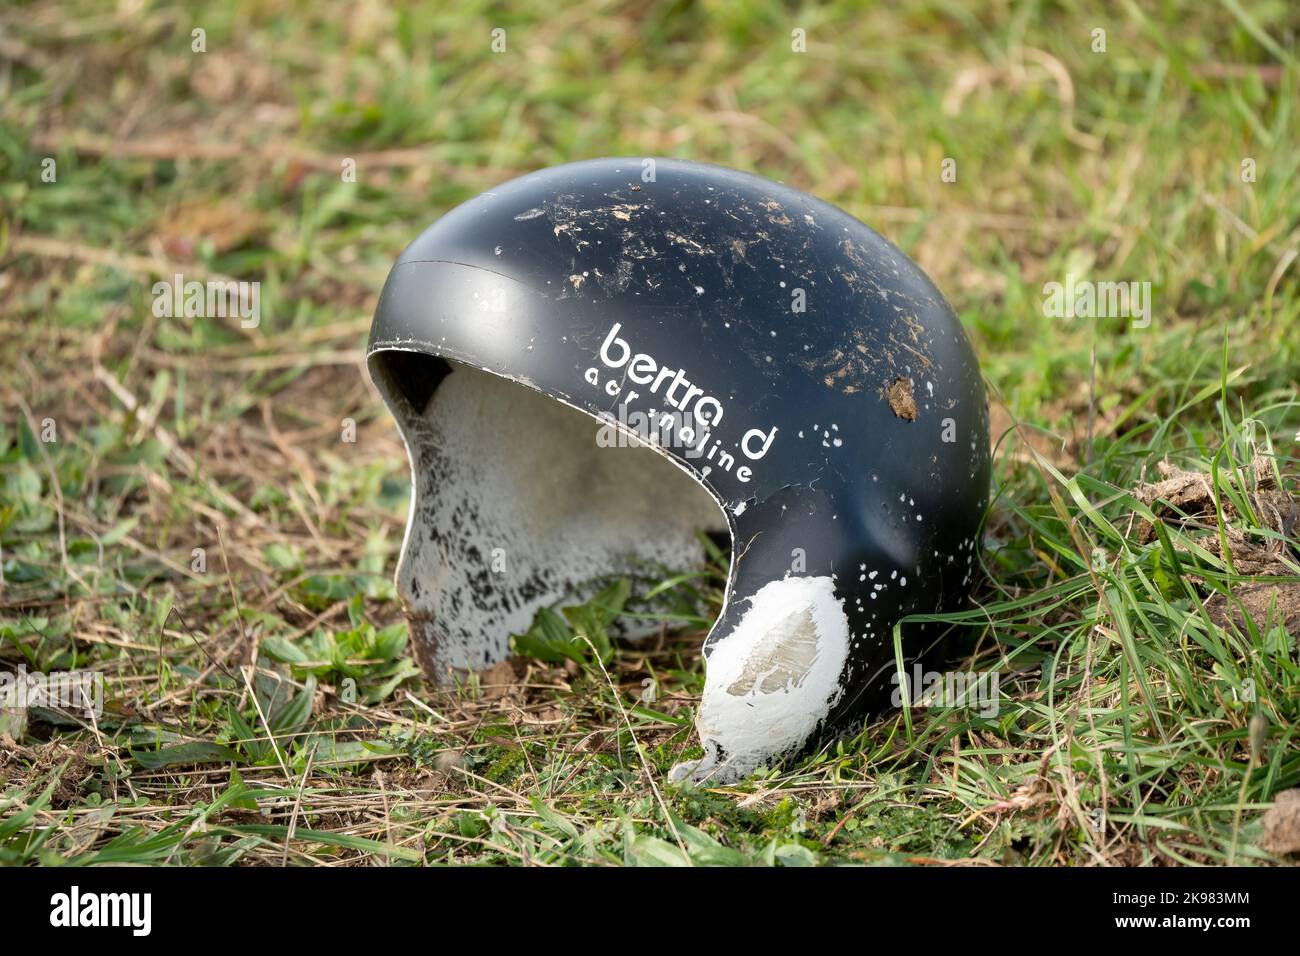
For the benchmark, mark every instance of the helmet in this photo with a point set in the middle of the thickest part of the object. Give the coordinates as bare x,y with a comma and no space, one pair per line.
795,381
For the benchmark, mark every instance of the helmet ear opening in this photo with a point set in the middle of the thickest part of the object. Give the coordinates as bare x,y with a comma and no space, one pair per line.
519,503
412,375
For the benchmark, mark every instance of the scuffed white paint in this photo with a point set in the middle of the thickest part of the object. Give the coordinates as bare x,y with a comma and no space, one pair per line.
559,531
772,680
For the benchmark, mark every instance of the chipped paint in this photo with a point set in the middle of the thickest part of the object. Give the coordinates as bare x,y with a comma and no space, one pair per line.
772,680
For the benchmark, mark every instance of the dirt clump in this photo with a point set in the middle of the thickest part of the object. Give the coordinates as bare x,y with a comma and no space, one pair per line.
1187,499
1188,496
1266,604
502,681
1282,823
901,398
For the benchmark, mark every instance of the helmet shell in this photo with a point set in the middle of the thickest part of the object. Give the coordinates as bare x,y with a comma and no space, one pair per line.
803,370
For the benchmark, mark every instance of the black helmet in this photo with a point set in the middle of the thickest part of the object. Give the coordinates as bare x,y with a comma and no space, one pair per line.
795,380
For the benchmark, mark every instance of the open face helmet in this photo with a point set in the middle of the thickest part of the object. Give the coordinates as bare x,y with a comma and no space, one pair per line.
793,381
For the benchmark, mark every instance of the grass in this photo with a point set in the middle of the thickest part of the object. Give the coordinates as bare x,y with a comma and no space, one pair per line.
200,530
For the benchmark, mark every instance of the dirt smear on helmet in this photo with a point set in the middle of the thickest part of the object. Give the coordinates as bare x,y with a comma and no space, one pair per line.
902,398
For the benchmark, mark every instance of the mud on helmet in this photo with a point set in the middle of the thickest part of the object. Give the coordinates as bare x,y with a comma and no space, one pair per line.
809,391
